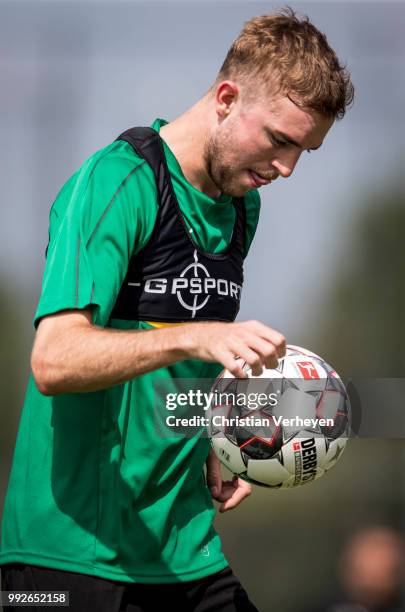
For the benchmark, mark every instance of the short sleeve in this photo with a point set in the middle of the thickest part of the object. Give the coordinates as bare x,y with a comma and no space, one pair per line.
104,212
252,207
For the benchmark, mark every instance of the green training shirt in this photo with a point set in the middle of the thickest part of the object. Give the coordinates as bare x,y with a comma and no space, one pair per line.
92,489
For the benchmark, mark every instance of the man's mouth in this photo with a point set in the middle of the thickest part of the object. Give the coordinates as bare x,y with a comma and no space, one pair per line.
258,179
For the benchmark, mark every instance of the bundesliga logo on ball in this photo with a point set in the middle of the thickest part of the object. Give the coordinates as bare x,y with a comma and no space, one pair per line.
295,436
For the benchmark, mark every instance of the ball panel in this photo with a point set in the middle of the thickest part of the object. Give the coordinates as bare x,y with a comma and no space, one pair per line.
229,454
336,448
269,472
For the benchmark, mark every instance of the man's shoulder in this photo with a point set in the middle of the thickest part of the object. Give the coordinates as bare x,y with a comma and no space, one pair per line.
117,162
111,174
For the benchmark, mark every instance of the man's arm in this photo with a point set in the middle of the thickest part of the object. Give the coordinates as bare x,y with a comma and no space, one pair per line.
71,355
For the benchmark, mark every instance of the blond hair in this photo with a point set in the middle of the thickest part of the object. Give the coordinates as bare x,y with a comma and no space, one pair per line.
293,57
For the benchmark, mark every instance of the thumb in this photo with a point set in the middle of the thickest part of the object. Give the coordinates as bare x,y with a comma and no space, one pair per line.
214,478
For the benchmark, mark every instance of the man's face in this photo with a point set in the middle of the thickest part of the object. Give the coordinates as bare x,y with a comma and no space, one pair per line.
259,141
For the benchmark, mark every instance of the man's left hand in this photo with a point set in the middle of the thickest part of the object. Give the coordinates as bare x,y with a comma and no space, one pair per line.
229,492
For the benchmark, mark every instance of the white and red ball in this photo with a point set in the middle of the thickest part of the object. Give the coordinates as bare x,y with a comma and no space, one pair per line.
296,437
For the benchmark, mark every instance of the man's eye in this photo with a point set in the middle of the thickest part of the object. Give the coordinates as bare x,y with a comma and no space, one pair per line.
277,142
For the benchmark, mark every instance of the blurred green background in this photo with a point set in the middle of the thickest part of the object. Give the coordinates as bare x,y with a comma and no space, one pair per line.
327,267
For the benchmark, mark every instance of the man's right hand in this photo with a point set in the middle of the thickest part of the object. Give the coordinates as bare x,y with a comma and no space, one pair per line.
256,344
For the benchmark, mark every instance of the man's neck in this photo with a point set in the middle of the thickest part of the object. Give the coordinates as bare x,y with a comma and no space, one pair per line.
186,137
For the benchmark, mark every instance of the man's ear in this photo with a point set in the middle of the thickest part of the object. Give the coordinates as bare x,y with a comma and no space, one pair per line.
226,95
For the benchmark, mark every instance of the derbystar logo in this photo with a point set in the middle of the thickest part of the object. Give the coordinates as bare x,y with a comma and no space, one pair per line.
309,459
193,288
306,459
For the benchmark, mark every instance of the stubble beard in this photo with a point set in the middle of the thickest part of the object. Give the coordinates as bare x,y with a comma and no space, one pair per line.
223,175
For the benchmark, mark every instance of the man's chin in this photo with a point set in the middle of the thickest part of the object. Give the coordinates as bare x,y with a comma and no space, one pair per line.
233,188
239,188
236,189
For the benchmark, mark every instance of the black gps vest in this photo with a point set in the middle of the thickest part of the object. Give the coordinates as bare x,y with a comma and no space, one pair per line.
171,279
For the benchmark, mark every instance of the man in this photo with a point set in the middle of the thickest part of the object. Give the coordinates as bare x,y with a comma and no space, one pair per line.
371,572
97,503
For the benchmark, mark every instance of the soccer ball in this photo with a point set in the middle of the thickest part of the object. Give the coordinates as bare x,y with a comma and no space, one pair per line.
284,428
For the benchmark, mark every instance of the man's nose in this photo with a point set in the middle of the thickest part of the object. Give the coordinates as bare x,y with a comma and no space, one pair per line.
286,163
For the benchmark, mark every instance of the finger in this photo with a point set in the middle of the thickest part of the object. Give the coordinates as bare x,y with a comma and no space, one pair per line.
273,336
266,350
242,491
253,359
228,489
214,478
232,362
